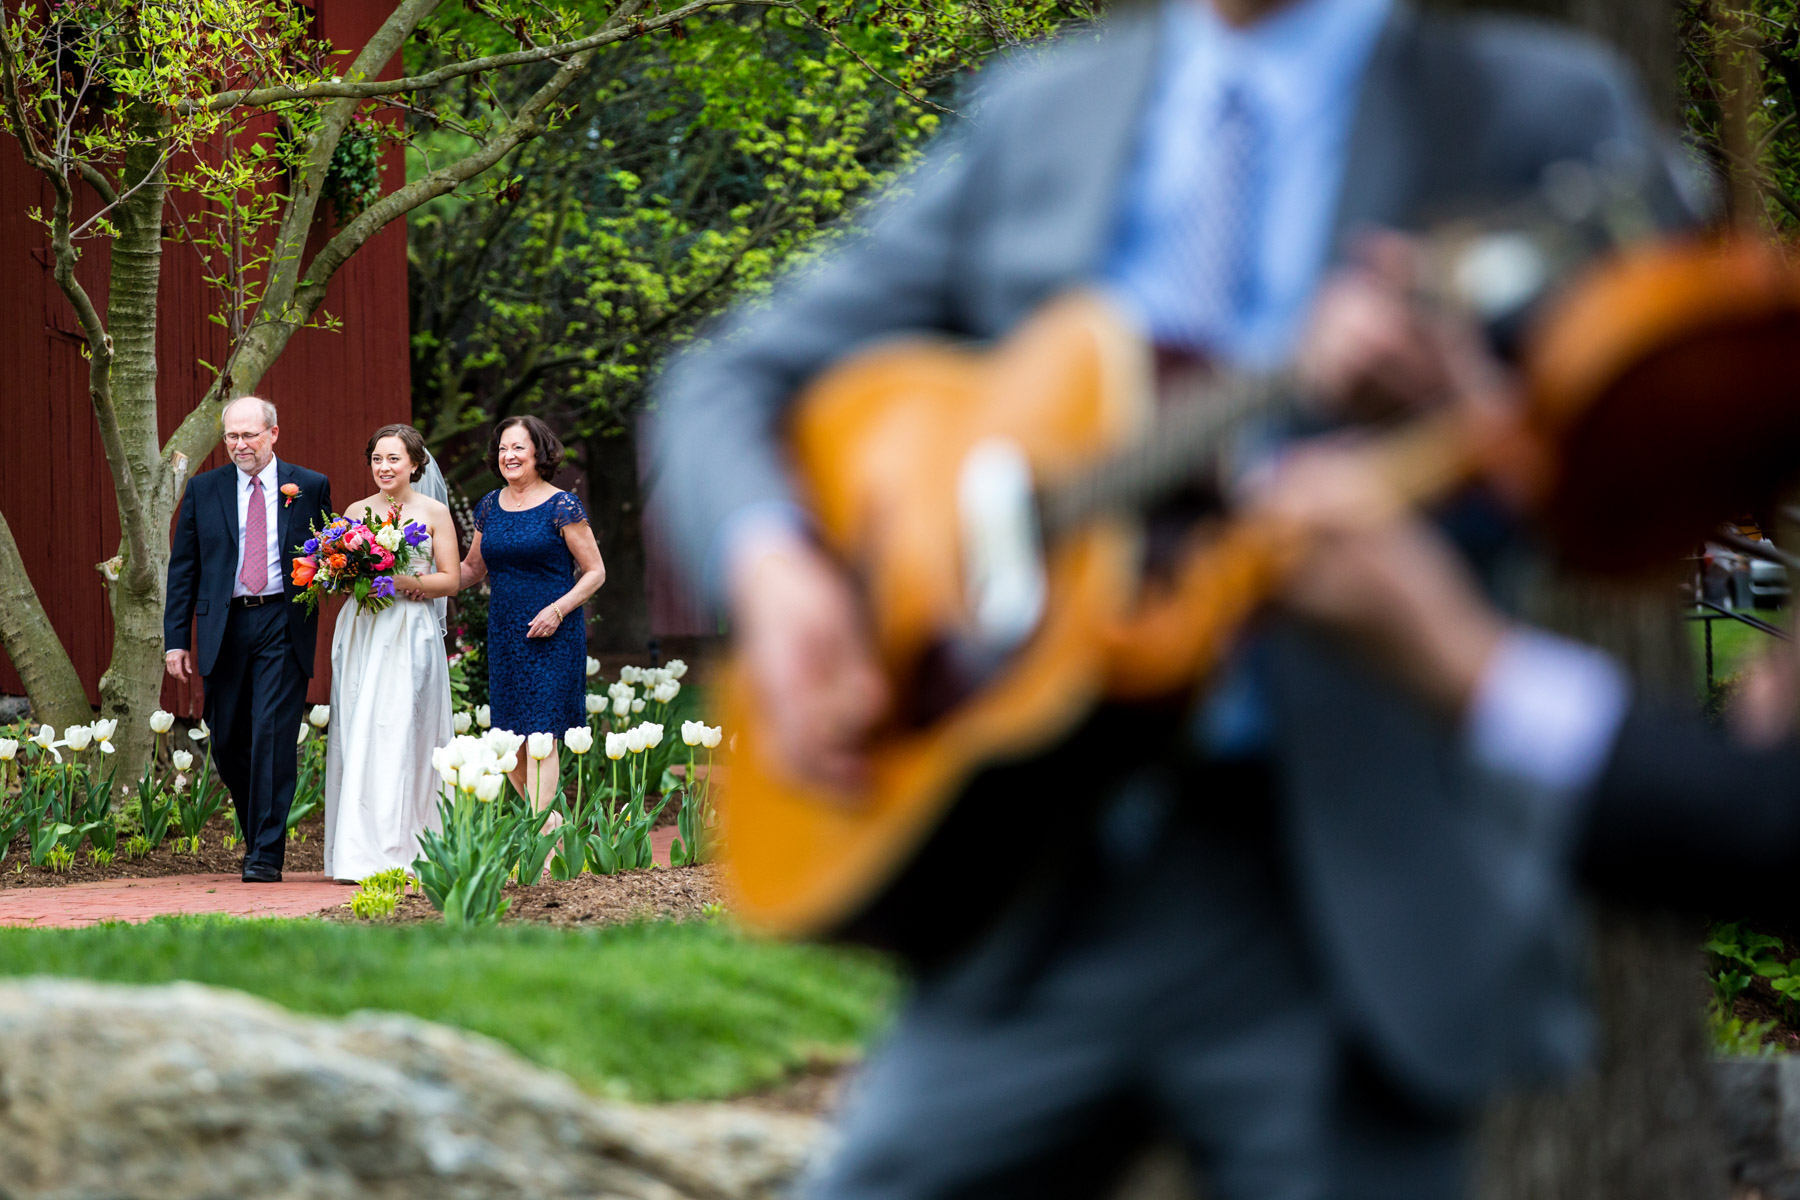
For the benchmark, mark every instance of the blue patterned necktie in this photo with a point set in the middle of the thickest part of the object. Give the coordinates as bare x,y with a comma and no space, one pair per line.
1210,283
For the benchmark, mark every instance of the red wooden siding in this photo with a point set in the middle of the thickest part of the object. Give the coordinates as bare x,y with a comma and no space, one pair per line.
333,388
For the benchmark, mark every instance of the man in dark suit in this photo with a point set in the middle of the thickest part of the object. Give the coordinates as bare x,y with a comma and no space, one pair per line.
239,528
1309,937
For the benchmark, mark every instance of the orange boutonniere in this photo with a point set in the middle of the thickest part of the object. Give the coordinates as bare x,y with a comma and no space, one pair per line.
290,490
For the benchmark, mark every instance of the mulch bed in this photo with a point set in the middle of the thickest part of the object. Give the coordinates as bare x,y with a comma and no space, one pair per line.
307,855
679,893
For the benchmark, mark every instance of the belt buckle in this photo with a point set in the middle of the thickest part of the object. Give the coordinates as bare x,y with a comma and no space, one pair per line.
254,601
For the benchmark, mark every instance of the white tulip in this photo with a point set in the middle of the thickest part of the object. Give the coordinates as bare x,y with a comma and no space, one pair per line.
320,716
483,717
637,706
78,737
621,706
540,745
304,730
691,732
469,776
442,763
182,760
666,691
161,722
104,729
616,746
507,762
677,668
579,740
637,740
200,732
621,689
712,737
502,741
653,733
389,538
630,674
593,667
45,739
461,722
9,749
488,787
595,704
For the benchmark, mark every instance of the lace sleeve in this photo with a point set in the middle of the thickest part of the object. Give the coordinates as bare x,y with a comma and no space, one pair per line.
565,510
484,508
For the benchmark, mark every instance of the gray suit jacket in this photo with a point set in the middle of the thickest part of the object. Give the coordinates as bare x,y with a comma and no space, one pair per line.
1436,897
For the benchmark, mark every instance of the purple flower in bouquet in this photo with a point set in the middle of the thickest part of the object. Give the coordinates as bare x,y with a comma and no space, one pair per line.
311,546
415,533
382,588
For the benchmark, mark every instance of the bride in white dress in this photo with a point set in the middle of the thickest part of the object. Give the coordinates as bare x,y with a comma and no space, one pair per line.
390,683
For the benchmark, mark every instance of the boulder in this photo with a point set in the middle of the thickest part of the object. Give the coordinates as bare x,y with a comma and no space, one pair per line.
182,1091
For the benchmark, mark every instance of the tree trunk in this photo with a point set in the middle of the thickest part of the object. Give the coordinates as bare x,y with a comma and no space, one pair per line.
1642,1123
57,697
132,684
621,614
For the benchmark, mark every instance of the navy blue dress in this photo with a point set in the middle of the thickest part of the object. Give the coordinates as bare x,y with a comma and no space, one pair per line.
535,685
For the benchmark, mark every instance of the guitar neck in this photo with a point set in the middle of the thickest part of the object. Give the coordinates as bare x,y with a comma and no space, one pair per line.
1199,416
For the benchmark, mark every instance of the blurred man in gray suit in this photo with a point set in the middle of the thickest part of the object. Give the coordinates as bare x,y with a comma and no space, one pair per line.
1313,977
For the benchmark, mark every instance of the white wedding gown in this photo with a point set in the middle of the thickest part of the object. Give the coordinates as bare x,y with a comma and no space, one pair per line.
390,708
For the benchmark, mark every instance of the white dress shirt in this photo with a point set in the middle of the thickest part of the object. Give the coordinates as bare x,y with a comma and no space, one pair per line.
1547,710
272,547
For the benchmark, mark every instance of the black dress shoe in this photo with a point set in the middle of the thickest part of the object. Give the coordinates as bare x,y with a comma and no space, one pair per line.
262,875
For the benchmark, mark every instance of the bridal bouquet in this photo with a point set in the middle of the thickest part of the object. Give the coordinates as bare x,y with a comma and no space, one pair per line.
357,558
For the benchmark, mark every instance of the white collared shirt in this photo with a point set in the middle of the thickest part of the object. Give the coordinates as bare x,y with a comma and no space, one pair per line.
272,511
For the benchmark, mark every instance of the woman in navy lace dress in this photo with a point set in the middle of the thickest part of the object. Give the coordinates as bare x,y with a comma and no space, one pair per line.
534,546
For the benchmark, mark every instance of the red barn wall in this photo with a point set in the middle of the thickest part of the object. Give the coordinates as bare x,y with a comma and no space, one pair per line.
333,389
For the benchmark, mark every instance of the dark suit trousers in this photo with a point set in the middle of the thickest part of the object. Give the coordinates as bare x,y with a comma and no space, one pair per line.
255,699
1169,994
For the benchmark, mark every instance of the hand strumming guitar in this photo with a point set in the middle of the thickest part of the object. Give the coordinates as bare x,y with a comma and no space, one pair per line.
802,638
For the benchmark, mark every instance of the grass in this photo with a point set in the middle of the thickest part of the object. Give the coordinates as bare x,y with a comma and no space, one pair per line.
659,1011
1735,645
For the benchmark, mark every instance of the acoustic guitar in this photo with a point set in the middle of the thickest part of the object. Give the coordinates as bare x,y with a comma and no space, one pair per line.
990,505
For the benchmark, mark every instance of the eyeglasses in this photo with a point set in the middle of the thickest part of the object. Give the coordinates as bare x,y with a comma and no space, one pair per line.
232,439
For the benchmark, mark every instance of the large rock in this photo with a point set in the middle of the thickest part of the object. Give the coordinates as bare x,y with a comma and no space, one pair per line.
182,1091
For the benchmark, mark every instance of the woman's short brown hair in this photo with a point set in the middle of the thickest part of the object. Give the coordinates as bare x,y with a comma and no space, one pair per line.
412,439
546,446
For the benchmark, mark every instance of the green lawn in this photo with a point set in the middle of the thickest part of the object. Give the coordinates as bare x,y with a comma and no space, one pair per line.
1735,644
658,1011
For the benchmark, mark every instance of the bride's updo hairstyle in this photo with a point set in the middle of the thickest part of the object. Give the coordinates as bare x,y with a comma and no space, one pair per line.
546,446
409,437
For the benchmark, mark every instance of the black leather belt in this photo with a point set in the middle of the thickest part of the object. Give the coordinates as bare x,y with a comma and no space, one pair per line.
253,601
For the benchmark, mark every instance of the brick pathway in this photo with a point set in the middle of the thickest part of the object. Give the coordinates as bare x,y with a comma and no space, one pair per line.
140,899
298,895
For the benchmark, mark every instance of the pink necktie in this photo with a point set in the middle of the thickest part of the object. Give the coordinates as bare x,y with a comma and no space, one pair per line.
254,574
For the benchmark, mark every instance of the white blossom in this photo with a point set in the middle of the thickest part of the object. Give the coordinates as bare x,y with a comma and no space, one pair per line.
691,731
9,749
616,746
161,722
483,717
304,730
621,706
78,737
200,732
182,760
579,740
487,788
320,716
676,668
595,703
593,667
389,538
637,706
666,691
540,745
652,733
630,674
461,721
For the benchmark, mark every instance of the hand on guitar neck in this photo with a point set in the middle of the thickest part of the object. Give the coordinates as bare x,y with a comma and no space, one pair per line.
802,637
1380,576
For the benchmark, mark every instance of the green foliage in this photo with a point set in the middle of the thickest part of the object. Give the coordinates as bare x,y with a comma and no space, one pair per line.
1740,87
198,803
652,1012
688,176
464,864
372,900
1738,957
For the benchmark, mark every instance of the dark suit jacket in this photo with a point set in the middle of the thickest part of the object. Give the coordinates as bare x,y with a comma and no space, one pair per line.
203,559
1436,897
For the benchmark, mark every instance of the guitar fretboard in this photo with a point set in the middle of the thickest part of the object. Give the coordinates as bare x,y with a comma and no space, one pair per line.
1198,415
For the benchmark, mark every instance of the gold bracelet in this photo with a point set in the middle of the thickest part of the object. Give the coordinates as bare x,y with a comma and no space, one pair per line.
557,611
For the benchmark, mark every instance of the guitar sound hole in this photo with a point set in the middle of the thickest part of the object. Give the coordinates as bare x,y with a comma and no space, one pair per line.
949,672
